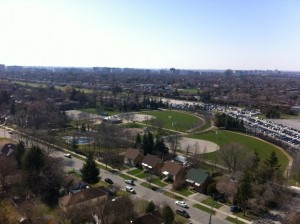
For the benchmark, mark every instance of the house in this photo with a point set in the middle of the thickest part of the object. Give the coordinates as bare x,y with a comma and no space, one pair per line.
198,179
88,197
7,148
173,171
152,163
133,157
150,218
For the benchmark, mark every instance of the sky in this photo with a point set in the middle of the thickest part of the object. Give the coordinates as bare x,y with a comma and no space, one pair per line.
185,34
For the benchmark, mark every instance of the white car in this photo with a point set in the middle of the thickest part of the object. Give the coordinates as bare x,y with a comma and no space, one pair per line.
130,189
181,204
68,155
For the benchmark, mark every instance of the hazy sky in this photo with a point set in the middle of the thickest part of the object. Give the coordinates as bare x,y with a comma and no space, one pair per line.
186,34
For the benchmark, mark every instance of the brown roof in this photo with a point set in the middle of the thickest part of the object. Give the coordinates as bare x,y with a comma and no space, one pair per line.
132,153
82,196
151,160
172,167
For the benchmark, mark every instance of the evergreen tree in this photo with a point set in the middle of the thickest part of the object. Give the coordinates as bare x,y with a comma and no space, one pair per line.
244,191
160,146
145,145
34,160
20,153
74,144
150,142
90,172
150,207
138,141
168,215
12,108
272,161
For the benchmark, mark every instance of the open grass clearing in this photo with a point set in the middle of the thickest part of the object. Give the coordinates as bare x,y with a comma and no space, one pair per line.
222,137
174,120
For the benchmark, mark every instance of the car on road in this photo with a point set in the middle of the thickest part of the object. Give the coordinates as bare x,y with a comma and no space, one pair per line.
235,208
68,155
183,213
108,180
181,204
130,181
130,189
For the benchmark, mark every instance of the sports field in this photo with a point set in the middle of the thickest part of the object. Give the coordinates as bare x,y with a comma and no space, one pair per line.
174,120
222,137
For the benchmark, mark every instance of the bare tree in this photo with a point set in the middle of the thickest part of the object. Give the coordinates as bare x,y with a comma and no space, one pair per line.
174,142
232,156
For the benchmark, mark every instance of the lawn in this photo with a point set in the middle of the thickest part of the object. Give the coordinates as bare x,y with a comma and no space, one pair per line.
234,220
132,125
135,172
184,192
222,137
142,175
174,120
204,208
147,185
210,202
158,182
126,177
172,195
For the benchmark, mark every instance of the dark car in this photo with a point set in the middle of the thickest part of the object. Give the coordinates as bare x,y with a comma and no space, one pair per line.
235,208
183,213
108,180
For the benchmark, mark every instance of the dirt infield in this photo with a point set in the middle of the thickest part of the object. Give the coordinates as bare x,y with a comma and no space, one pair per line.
200,146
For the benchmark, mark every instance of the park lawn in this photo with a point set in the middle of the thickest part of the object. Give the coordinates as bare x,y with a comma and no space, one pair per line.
204,208
222,137
174,120
211,202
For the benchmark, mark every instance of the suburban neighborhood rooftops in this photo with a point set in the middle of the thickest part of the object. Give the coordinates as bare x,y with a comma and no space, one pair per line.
82,196
151,161
196,175
172,168
132,153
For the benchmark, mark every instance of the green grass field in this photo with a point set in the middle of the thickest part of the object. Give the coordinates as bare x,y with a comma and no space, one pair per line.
174,120
224,137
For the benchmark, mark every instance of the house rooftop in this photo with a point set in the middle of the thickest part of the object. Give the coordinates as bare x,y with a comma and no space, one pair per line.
151,160
149,219
172,167
7,147
82,196
197,175
132,153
